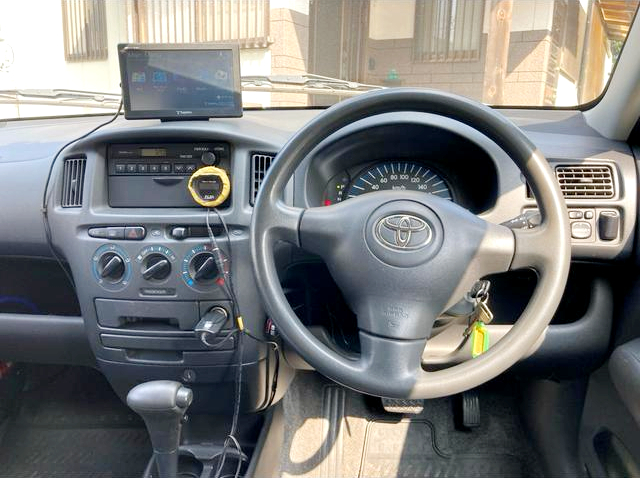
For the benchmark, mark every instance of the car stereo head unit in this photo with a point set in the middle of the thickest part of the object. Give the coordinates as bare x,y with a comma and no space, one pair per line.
180,81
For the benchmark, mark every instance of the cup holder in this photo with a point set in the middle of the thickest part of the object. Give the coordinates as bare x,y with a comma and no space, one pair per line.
201,461
230,467
189,467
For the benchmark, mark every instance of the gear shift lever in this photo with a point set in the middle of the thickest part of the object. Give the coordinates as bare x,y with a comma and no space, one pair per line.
162,405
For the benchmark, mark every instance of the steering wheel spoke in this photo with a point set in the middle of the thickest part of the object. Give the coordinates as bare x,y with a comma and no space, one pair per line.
282,223
324,229
494,254
395,364
532,248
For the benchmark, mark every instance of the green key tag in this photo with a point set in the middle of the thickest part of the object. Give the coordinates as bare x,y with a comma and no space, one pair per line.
479,339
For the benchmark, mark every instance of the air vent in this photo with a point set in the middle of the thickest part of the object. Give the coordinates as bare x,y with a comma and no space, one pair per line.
586,182
73,181
260,163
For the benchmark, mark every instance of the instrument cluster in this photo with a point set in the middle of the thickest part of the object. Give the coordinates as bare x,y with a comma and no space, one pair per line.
394,175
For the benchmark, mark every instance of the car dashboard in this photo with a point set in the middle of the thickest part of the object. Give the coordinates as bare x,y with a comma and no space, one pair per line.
139,249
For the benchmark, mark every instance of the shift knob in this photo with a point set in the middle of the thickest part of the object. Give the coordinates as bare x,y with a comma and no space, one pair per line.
162,405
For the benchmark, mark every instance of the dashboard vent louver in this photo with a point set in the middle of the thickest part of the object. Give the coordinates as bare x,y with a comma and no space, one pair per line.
73,181
593,181
586,181
260,163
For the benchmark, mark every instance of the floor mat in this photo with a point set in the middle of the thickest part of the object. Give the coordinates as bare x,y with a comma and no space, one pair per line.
333,432
73,426
408,448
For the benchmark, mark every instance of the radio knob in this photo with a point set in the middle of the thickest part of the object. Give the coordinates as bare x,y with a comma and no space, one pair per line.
156,267
203,267
111,267
208,158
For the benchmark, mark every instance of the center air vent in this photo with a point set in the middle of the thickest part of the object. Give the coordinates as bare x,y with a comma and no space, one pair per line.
73,181
586,182
260,163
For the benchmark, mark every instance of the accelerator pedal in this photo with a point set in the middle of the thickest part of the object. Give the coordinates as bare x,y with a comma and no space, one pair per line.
470,405
406,407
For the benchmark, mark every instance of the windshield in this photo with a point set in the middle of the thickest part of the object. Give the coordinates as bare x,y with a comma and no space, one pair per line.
60,58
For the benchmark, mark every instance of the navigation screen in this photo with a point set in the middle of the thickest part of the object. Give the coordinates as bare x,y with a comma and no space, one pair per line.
180,83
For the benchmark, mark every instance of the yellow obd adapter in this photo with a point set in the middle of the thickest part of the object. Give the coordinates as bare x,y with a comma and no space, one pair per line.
209,186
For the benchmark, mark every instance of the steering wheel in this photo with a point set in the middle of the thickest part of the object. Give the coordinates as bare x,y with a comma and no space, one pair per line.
401,258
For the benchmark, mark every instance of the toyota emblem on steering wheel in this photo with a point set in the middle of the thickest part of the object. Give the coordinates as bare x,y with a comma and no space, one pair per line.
403,232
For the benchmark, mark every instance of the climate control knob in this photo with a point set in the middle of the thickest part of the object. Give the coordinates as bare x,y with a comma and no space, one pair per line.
203,267
156,267
111,267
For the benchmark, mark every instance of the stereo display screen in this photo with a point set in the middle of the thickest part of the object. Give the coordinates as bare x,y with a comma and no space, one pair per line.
180,81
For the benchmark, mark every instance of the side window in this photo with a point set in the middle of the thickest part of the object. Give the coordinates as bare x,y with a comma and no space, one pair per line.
84,26
173,21
448,30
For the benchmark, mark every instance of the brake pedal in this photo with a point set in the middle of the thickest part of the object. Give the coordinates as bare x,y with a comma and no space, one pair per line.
470,409
407,407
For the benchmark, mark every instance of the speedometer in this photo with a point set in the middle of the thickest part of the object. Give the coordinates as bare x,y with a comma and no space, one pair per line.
398,175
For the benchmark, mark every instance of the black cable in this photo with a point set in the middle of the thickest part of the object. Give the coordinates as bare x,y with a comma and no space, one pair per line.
276,370
230,292
227,285
45,202
224,340
234,300
234,420
55,158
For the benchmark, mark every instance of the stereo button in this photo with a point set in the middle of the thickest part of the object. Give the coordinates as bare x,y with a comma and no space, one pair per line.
143,168
132,168
165,168
154,168
121,168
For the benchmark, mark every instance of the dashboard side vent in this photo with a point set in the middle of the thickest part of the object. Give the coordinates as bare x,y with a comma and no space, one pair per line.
593,181
260,163
586,181
73,181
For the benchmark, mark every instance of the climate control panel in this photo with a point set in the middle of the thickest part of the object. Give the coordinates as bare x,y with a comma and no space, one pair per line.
186,269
